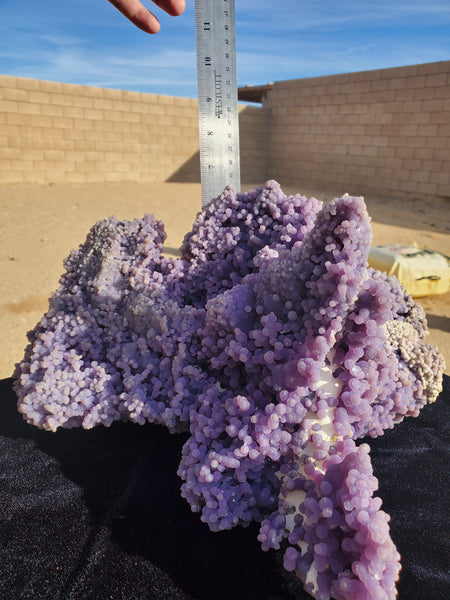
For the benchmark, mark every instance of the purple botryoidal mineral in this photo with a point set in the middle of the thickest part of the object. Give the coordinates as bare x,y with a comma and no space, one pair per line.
273,344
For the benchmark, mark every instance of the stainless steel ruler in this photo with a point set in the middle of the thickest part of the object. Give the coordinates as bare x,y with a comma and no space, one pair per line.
217,96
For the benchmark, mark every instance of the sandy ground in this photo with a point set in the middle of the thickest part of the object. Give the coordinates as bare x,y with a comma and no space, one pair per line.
39,226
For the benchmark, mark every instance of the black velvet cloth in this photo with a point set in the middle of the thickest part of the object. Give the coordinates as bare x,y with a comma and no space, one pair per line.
97,515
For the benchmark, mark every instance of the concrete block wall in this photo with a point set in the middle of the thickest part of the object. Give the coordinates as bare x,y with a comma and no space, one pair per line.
254,143
54,132
383,132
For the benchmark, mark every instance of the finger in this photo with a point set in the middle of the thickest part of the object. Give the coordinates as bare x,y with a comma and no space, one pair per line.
138,14
172,7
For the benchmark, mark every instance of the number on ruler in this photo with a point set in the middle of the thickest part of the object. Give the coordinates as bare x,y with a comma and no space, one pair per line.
218,119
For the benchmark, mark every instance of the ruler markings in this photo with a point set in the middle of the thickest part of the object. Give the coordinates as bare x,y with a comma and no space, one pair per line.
217,96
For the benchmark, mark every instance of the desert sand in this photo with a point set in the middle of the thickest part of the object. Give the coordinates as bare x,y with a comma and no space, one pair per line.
41,224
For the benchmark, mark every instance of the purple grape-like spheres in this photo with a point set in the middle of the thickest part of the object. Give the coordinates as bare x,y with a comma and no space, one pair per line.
273,344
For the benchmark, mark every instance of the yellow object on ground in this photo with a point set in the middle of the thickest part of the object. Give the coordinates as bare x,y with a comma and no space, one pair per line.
422,272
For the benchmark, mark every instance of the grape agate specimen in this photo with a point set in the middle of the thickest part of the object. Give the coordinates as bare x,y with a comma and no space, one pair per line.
270,341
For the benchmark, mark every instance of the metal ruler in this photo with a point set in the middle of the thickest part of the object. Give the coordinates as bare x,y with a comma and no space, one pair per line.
217,96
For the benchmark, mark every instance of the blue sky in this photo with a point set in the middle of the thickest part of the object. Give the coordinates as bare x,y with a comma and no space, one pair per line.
90,42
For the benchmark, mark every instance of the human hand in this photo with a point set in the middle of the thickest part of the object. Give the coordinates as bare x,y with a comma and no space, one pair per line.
142,17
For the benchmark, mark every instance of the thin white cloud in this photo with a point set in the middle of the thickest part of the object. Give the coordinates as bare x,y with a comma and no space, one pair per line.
91,43
62,40
70,58
320,38
326,15
311,60
168,59
104,70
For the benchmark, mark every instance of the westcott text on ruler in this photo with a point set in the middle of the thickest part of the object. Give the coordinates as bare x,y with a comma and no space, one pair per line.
217,96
